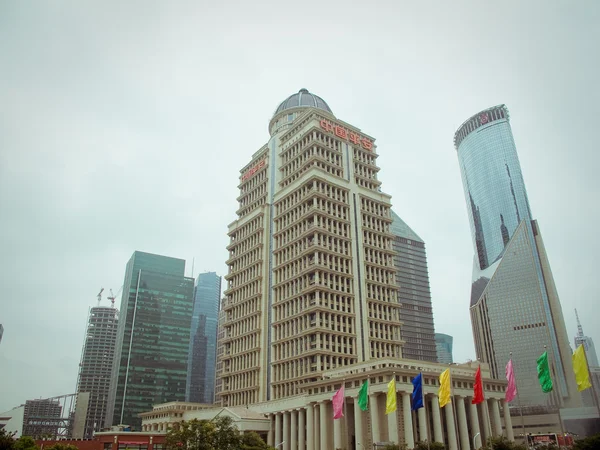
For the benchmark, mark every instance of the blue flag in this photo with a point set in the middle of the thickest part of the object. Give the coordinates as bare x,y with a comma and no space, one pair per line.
417,394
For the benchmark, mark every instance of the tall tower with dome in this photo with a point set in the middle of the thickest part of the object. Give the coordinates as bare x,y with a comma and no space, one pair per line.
311,283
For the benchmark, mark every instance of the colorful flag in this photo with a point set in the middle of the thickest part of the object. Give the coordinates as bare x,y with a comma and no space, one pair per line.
390,401
417,394
543,371
363,396
511,389
478,388
444,391
338,403
580,367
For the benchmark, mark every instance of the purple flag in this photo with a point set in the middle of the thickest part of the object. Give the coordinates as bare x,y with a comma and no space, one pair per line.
338,403
511,389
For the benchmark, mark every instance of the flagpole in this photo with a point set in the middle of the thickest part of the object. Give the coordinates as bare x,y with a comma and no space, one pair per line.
557,395
345,439
519,402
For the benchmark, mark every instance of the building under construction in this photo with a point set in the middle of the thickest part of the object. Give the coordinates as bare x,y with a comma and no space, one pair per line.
96,364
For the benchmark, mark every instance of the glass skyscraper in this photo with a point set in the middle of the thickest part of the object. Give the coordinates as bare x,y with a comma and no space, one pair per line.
151,357
443,343
412,278
203,339
514,303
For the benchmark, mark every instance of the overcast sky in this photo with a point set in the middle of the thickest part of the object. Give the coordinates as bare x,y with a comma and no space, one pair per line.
123,127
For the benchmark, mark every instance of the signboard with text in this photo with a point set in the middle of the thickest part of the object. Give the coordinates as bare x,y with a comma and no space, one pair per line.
346,134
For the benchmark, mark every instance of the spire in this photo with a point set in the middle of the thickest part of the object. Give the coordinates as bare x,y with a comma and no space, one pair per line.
579,327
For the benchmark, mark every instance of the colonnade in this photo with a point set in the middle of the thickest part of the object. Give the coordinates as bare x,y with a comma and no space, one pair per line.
460,424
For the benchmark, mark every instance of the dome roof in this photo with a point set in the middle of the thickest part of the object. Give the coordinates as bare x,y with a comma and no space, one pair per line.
303,98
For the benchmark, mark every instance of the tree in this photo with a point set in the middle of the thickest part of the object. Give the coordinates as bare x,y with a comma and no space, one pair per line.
502,443
7,440
252,441
25,443
589,443
59,446
216,434
424,445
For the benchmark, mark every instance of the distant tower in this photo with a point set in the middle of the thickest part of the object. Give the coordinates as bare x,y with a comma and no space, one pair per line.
1,332
443,343
412,279
514,302
588,344
95,367
203,339
152,339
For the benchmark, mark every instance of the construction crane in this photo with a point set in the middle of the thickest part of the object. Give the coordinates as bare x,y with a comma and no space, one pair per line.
100,296
113,296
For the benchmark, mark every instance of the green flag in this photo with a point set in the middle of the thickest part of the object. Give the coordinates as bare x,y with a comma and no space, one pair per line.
544,373
363,396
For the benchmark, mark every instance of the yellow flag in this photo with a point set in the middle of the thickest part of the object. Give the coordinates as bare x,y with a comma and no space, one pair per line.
582,375
444,391
390,402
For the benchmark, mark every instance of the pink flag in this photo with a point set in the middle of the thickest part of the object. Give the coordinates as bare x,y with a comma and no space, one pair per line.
338,403
511,389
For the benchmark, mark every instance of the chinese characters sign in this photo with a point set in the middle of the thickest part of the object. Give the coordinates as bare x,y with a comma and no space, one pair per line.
347,135
254,169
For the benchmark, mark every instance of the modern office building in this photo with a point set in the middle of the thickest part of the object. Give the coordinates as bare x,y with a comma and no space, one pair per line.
42,417
153,335
588,344
514,305
412,279
203,339
443,344
312,282
95,367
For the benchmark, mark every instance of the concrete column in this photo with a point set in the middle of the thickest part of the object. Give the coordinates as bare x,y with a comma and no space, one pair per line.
374,411
496,418
294,431
324,428
451,429
358,425
475,426
337,433
392,425
271,434
286,431
485,415
317,424
310,427
409,437
301,429
423,434
278,430
508,422
463,428
437,421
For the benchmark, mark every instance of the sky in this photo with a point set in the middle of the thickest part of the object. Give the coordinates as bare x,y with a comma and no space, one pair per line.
123,127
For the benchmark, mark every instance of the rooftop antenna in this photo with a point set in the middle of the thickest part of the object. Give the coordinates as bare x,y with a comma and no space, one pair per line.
100,296
193,260
579,327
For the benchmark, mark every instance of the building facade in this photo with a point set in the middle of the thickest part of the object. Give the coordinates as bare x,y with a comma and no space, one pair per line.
312,282
153,335
95,368
443,344
412,279
514,306
305,421
203,339
42,417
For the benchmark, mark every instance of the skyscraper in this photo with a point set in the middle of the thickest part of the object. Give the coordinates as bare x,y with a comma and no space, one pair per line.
514,303
95,367
203,339
312,281
412,279
153,337
443,344
588,344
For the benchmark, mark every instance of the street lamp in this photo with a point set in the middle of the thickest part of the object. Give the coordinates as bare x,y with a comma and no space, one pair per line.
280,444
475,437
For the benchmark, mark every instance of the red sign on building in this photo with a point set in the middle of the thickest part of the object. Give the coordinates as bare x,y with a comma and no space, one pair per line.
254,169
347,135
